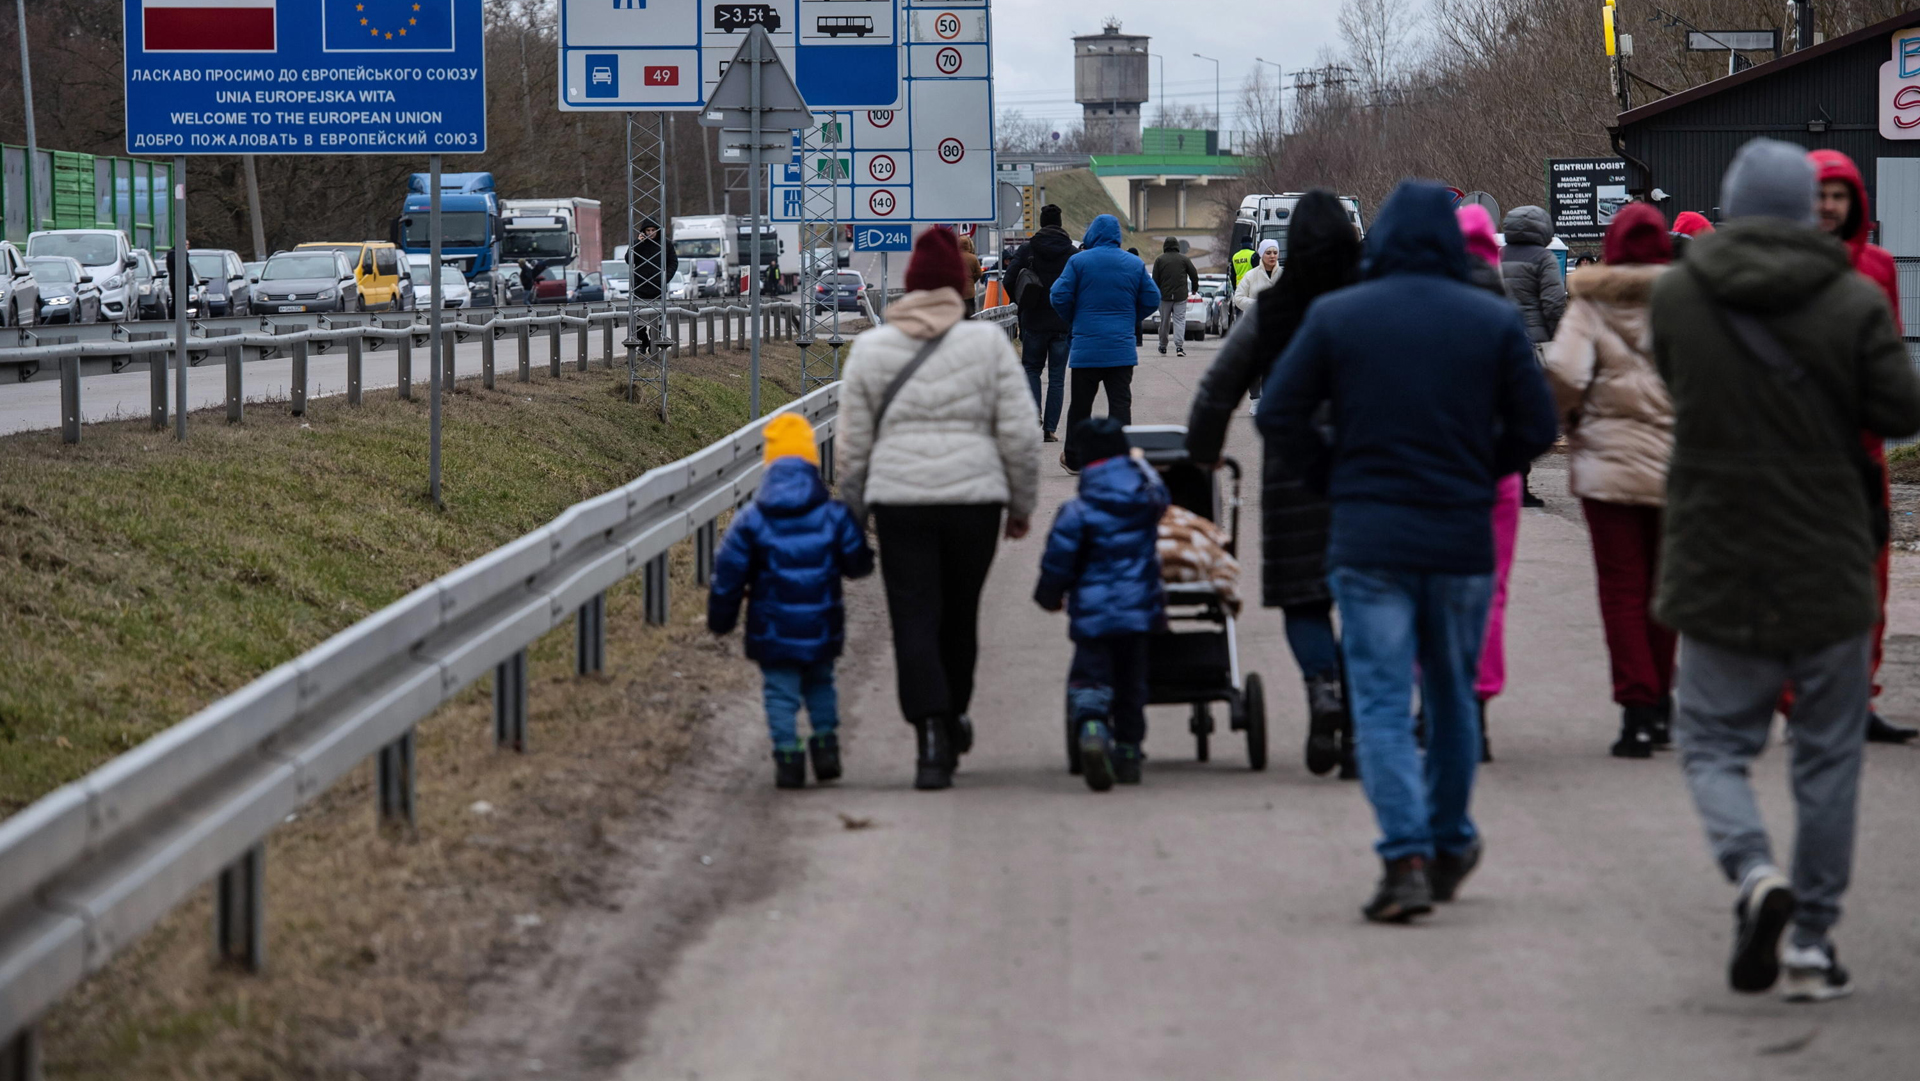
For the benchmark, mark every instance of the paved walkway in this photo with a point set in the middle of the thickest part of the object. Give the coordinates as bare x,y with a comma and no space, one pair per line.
1206,924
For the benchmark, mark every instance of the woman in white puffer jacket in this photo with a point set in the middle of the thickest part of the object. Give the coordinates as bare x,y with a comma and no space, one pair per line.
958,445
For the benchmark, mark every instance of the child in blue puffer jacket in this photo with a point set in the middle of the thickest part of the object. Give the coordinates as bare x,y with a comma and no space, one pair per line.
1101,557
785,555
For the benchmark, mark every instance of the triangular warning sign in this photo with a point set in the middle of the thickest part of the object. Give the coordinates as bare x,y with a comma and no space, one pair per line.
731,103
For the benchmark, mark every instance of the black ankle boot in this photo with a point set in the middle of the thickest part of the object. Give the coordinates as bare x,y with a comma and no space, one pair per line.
961,736
789,769
1636,732
934,769
1661,724
1326,711
825,750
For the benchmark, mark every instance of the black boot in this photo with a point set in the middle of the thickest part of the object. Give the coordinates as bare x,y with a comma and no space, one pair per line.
1349,764
789,769
1662,724
1404,892
825,749
1326,707
934,769
1636,732
1879,731
961,736
1486,749
1126,763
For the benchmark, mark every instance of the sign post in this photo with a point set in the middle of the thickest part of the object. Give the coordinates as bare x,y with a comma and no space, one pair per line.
183,276
434,346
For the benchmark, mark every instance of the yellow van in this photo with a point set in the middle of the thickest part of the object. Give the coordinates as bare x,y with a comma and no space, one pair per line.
378,267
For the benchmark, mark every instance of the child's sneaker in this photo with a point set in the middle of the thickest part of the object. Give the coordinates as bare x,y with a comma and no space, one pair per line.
1096,756
824,747
789,769
1813,974
1126,763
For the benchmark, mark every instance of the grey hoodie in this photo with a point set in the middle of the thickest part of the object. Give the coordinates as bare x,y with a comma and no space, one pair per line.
1531,272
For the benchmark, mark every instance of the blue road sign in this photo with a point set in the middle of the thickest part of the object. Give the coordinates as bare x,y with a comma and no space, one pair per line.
883,238
305,77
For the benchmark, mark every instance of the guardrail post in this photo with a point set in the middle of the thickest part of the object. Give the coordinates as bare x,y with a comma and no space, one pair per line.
606,341
70,400
526,352
239,911
300,374
396,781
709,332
655,581
510,703
705,540
726,328
157,369
403,363
590,637
356,348
236,384
20,1056
553,343
486,357
673,334
580,340
826,459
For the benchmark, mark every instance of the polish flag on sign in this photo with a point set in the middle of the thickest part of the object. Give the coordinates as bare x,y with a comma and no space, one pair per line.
207,26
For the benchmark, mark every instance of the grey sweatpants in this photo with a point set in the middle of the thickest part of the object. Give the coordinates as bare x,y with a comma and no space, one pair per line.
1724,705
1173,316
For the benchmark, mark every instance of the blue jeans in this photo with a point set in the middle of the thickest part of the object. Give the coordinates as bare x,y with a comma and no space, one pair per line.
1310,636
1040,350
786,686
1390,621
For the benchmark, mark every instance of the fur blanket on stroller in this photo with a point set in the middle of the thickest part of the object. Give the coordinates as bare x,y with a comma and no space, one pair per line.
1193,549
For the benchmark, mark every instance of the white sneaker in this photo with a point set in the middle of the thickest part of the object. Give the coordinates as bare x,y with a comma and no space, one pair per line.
1813,974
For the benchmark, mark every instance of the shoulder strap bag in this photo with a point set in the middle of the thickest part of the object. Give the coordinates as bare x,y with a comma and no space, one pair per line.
857,484
1760,344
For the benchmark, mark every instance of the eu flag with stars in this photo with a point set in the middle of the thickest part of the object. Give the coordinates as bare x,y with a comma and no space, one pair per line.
388,26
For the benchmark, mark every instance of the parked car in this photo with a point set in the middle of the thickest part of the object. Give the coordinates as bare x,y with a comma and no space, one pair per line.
377,269
19,293
228,292
153,295
845,290
308,281
507,289
696,279
1197,327
593,289
558,286
67,292
1219,302
253,268
616,277
454,290
108,260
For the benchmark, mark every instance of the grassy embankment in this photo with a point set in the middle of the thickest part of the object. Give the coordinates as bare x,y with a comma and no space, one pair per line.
142,579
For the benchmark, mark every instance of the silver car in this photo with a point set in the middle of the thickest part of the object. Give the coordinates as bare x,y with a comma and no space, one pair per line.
19,293
314,280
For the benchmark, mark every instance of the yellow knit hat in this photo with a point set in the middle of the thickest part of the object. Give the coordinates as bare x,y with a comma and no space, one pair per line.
790,436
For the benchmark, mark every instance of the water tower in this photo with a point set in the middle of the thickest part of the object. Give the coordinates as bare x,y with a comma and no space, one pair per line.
1110,83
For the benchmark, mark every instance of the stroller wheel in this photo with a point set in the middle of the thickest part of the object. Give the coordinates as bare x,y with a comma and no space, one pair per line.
1202,727
1254,720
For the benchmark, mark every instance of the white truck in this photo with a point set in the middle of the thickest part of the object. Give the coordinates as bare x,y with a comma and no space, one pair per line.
712,236
1264,217
564,229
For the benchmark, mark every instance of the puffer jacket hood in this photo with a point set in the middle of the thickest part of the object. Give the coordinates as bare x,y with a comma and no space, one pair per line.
1765,264
1104,232
785,556
1102,552
1618,416
1528,225
1416,233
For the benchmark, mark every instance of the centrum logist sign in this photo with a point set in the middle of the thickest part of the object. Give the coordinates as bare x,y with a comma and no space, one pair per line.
305,76
1583,194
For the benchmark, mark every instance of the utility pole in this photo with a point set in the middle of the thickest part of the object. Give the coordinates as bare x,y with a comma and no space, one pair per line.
33,141
253,209
1279,101
1217,118
1803,30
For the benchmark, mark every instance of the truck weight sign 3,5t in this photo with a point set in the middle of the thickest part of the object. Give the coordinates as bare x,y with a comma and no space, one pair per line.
305,77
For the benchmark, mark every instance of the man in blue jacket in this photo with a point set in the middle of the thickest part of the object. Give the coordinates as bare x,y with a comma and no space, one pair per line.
1435,395
1103,294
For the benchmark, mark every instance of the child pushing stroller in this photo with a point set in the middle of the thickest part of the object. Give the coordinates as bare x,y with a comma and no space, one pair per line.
1101,565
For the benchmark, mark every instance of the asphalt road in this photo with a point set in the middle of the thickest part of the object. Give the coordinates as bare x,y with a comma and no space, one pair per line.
1205,924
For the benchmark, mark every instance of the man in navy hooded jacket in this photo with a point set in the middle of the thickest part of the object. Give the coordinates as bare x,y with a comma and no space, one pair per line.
1103,294
1435,395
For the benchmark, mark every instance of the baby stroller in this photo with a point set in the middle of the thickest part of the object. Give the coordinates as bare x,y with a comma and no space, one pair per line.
1196,661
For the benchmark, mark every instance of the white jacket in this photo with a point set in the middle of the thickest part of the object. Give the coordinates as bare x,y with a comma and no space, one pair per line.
963,429
1253,282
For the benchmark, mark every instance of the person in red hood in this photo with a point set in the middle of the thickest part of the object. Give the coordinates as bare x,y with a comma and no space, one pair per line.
1687,225
1845,212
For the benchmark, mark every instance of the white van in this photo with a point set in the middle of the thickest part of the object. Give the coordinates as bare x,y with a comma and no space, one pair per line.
1264,217
106,257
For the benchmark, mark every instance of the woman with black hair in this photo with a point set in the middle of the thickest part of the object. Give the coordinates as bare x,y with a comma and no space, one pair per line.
1323,254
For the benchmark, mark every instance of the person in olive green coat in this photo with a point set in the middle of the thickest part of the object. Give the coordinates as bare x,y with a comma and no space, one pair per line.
1776,355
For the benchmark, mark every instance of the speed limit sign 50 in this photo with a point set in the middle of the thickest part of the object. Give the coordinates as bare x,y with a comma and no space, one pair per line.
947,25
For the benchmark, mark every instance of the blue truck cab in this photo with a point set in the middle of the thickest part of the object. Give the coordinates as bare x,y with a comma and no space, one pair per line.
469,224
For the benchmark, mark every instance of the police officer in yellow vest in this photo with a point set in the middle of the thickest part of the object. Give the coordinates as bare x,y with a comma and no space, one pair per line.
1242,262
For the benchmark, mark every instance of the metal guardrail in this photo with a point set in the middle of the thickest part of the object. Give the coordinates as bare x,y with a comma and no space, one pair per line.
293,336
93,865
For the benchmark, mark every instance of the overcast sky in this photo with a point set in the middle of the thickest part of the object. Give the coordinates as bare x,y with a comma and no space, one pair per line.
1033,48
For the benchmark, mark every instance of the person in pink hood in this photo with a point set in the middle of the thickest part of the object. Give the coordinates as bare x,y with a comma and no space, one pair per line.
1483,245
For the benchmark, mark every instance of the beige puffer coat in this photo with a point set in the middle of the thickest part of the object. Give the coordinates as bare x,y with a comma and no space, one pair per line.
1618,416
962,430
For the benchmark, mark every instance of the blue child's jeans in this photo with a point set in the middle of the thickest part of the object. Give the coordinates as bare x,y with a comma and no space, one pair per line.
786,686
